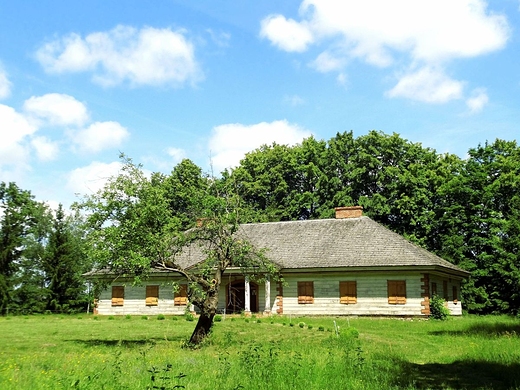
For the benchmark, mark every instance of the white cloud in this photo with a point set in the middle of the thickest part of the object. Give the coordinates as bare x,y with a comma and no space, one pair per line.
427,85
287,34
385,33
57,109
477,101
93,177
99,136
230,142
46,150
293,100
148,56
14,132
326,62
5,85
177,154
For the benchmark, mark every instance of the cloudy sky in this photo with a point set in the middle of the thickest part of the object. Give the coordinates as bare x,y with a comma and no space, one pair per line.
210,80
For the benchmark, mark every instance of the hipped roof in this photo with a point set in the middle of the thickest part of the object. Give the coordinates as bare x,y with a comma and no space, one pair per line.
353,243
333,243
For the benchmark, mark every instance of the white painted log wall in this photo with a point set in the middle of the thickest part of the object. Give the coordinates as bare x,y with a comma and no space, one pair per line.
135,301
372,295
455,308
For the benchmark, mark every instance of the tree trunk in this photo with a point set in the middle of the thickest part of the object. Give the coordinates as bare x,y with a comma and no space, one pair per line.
207,312
203,328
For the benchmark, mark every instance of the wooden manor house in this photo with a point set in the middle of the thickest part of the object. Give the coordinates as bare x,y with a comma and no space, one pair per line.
348,265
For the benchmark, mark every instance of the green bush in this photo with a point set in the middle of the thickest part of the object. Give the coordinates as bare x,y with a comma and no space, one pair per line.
309,326
189,317
128,317
161,317
438,310
301,324
144,317
217,318
321,329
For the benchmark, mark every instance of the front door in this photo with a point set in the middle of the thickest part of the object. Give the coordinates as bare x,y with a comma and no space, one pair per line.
235,297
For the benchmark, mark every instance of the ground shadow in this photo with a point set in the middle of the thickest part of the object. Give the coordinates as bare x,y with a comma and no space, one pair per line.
460,374
124,343
483,330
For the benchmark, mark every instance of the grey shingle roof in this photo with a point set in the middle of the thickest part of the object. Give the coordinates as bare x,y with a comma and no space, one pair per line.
331,243
324,243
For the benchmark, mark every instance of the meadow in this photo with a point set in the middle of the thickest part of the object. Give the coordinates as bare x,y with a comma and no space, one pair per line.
133,352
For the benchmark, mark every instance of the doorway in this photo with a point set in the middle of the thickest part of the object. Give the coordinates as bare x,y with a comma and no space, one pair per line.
235,297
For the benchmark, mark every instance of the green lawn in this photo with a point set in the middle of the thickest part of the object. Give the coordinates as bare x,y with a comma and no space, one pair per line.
86,352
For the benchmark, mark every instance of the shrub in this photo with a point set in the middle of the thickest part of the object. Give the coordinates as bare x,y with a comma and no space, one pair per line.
438,310
291,324
111,317
144,317
321,329
161,317
189,317
309,326
258,321
128,317
175,318
301,324
247,320
217,318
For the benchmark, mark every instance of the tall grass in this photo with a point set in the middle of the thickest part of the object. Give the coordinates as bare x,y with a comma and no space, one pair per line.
86,352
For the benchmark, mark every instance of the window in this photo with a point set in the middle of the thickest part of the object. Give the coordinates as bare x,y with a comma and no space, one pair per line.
152,295
305,292
118,295
434,288
455,296
181,295
445,290
396,292
348,292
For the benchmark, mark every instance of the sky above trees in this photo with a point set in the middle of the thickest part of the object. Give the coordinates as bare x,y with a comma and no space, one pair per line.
212,80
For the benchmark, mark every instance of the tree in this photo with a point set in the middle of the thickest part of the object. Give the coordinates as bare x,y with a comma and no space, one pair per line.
138,223
18,216
63,264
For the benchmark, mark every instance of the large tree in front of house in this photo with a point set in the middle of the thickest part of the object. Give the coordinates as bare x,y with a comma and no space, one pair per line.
141,222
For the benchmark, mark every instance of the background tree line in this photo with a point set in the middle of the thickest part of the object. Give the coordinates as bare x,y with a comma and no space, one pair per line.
42,256
464,210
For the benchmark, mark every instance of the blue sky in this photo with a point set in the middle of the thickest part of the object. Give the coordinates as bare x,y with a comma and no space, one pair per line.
162,80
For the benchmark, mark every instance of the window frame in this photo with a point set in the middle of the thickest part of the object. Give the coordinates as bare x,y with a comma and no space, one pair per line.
152,295
180,297
118,295
348,292
396,292
305,292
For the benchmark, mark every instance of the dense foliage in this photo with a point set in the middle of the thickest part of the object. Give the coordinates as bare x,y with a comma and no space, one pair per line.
465,210
41,256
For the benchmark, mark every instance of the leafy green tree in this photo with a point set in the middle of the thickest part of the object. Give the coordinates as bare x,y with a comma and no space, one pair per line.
63,264
17,218
137,224
479,226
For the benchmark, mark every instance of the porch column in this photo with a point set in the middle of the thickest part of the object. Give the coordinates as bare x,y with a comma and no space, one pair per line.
267,309
247,296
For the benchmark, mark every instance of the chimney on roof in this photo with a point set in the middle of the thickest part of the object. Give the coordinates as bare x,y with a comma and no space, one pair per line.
349,212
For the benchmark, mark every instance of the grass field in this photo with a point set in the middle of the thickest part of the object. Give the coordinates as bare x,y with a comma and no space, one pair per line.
86,352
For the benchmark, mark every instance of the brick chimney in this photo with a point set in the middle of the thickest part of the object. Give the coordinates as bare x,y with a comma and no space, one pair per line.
349,212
